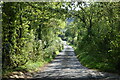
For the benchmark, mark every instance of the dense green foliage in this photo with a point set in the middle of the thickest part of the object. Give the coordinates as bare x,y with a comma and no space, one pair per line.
95,33
31,30
30,33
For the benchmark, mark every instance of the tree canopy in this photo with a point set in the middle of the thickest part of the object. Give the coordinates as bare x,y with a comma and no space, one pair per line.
33,32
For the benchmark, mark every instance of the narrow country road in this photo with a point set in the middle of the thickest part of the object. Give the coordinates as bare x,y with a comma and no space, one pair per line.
66,66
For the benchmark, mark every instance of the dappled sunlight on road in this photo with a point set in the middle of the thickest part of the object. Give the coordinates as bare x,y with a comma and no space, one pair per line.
66,66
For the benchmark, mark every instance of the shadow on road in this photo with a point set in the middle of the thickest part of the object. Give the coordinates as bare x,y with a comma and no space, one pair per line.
66,66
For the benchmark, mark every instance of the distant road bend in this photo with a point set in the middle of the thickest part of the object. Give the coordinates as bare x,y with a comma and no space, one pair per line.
66,66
